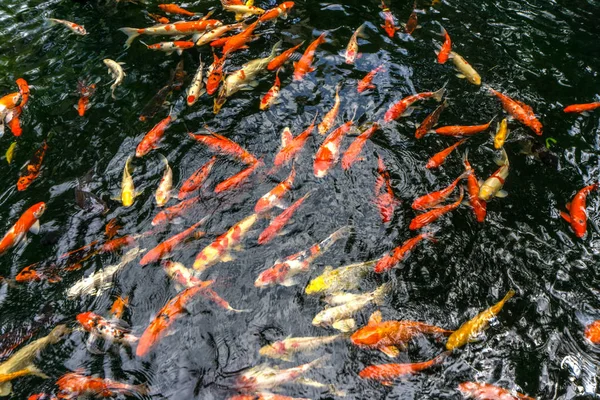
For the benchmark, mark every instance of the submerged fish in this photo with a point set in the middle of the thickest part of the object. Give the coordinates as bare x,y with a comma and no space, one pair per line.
128,192
352,48
32,171
75,385
304,65
117,73
28,222
329,118
401,108
265,377
390,260
287,348
466,71
387,373
99,327
340,279
76,29
163,192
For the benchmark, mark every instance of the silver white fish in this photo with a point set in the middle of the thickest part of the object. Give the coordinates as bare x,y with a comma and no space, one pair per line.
285,349
196,88
117,73
163,193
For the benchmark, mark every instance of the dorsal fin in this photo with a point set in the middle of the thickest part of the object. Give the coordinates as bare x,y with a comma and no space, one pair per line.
375,318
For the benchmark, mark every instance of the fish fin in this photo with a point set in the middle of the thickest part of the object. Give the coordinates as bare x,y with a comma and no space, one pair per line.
461,76
408,111
33,370
380,292
375,318
227,257
466,203
289,282
179,52
390,351
568,206
345,325
286,137
502,193
35,228
253,83
565,216
131,33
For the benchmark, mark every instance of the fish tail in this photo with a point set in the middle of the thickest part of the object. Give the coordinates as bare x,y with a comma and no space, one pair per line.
319,362
438,95
164,159
131,33
275,49
440,358
335,236
380,293
33,370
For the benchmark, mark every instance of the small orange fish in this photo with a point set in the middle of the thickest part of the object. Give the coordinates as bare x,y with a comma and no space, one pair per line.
329,152
274,196
479,206
460,130
118,306
353,151
329,118
291,146
439,158
401,107
236,180
412,23
159,18
175,9
281,10
197,179
239,41
175,211
433,215
118,243
385,200
390,25
446,49
577,215
580,108
74,385
280,221
520,111
112,228
485,391
304,66
32,171
430,121
386,373
215,75
13,119
282,58
366,82
592,332
389,261
150,140
221,144
165,248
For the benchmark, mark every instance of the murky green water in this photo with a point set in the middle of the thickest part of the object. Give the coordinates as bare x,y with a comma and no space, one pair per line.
544,53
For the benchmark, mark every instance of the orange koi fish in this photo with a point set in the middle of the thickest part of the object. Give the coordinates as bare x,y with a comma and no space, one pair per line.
304,66
485,391
84,100
401,108
291,146
170,213
576,215
387,336
220,249
427,218
73,385
329,152
118,307
169,48
478,205
280,221
118,243
150,140
331,115
270,97
274,196
353,151
581,108
520,111
444,53
281,10
165,248
431,200
220,144
13,117
239,41
32,171
459,130
236,180
439,158
390,25
215,75
352,48
111,228
385,201
592,332
175,9
386,373
366,82
159,18
29,221
107,330
175,29
8,105
412,23
281,59
164,319
197,179
429,122
389,261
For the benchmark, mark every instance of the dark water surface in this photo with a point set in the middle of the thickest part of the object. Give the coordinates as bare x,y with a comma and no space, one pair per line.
544,53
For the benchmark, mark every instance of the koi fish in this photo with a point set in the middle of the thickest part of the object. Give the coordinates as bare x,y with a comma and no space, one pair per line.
390,260
353,151
170,213
331,115
304,66
84,100
492,187
475,327
197,179
239,41
107,330
242,11
111,228
291,146
116,71
386,373
215,75
196,87
214,34
74,385
271,96
460,130
478,205
159,18
10,152
576,211
283,272
519,111
118,243
30,370
156,103
281,10
32,171
281,59
163,193
175,9
13,117
427,218
175,29
164,319
444,52
501,134
165,248
582,108
385,200
280,221
401,108
430,121
439,158
171,47
389,336
8,105
484,391
352,48
464,68
220,144
238,179
150,141
339,279
29,221
219,250
329,151
287,348
274,196
76,29
128,192
366,82
412,23
118,307
264,377
592,332
390,25
340,317
431,200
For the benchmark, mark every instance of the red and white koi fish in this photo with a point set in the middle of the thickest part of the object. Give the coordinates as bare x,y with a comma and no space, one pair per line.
429,122
264,377
462,130
386,373
353,151
75,385
170,213
163,192
76,29
280,221
329,118
175,29
271,96
401,108
582,108
427,218
281,10
352,48
366,82
196,88
576,215
165,248
520,111
385,201
485,391
431,200
390,25
439,158
238,179
13,115
197,179
274,196
283,272
304,66
104,329
150,140
444,53
29,221
171,47
215,75
175,9
329,152
8,105
492,187
390,260
479,206
219,250
291,146
281,59
222,145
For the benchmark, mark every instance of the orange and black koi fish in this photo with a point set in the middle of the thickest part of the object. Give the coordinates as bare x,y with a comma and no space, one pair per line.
32,171
197,179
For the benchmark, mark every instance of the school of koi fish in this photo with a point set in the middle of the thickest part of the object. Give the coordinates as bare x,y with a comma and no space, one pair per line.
334,128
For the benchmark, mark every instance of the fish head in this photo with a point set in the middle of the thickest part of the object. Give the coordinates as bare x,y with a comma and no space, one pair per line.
486,193
88,320
287,5
28,274
38,209
474,79
273,350
315,286
80,30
